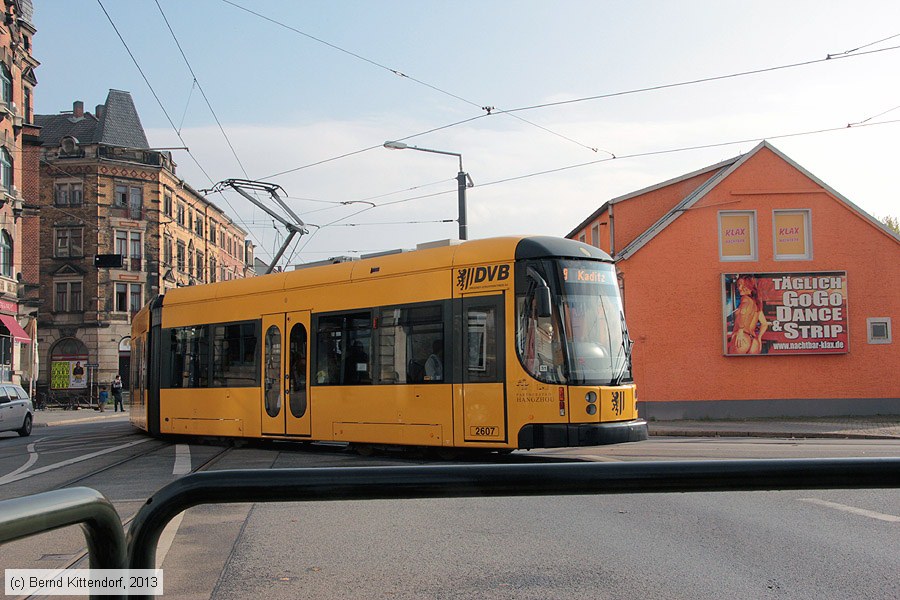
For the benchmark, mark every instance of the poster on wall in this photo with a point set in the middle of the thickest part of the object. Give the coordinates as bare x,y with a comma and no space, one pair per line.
68,374
785,313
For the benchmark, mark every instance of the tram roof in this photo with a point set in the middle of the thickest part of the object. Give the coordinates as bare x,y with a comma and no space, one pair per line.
428,258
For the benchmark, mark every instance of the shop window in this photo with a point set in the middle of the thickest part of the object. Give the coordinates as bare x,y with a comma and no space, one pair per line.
791,235
879,330
737,236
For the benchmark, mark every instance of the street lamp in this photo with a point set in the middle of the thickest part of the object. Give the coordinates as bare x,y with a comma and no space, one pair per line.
463,181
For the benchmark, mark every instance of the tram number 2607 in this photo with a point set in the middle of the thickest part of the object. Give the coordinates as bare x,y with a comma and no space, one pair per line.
484,431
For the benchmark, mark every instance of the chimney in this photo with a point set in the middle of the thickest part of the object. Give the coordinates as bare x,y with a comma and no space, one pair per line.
98,112
78,109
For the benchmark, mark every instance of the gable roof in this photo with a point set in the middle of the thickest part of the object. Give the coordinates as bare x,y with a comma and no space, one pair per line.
730,167
658,186
117,125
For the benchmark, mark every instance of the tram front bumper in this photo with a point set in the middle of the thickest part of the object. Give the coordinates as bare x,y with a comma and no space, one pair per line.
561,435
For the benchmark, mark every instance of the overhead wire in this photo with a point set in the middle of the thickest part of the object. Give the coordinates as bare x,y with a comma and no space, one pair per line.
487,109
664,86
601,97
619,158
163,108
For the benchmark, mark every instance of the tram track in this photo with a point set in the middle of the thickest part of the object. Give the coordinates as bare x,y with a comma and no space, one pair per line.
78,561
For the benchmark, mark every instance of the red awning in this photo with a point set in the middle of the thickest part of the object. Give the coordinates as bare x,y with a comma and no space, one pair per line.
15,330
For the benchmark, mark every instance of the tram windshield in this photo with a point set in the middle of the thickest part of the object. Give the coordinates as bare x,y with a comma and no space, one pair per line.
579,337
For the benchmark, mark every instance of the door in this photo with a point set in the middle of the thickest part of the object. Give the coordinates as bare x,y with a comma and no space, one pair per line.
483,369
285,392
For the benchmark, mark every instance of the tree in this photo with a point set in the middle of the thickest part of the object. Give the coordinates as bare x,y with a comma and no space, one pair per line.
892,223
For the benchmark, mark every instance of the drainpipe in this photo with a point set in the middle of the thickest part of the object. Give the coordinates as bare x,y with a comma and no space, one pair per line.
612,232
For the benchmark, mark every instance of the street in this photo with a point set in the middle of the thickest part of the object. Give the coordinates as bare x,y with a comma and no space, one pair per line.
797,544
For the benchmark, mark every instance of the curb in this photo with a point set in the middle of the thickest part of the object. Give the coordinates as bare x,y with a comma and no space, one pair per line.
74,420
772,434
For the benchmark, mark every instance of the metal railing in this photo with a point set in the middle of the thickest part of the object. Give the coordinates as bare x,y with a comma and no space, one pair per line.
30,515
39,513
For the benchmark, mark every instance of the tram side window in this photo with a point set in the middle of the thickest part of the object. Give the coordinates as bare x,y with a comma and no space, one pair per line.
410,344
235,355
189,352
344,349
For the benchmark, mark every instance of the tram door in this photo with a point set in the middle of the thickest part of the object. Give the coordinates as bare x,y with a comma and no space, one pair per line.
285,391
483,365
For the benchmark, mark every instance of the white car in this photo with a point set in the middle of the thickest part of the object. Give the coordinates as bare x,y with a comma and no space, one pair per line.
16,410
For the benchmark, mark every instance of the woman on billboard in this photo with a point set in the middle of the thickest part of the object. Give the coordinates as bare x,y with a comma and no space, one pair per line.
749,321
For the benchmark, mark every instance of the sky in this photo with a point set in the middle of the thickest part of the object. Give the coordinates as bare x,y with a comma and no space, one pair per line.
586,101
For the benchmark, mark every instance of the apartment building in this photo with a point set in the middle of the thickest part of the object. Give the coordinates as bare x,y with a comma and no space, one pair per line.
117,227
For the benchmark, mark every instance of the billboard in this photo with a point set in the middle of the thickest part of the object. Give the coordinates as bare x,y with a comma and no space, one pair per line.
785,313
68,374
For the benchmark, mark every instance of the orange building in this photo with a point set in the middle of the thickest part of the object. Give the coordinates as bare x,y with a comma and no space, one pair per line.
753,289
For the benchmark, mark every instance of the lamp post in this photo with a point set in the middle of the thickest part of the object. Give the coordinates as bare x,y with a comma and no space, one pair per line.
463,181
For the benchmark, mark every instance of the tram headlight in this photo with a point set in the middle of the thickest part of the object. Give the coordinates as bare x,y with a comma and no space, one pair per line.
591,397
591,409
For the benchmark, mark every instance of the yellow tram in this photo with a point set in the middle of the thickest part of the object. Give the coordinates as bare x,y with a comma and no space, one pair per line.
497,344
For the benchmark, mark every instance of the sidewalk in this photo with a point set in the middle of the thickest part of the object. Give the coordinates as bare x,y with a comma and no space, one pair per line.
879,427
57,416
876,427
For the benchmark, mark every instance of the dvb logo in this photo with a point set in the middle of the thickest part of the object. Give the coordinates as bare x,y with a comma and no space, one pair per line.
466,278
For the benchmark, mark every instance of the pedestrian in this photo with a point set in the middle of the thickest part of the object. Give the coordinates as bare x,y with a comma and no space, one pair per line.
117,394
103,398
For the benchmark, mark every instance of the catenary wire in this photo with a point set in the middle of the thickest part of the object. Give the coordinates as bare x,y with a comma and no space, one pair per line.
487,109
597,97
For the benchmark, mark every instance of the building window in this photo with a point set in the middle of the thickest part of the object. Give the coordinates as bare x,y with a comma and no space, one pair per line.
198,225
737,236
212,269
6,254
212,232
180,218
879,330
6,84
167,205
135,250
791,235
129,245
26,94
68,296
6,169
128,297
167,251
595,236
180,256
69,242
200,266
137,297
131,198
69,194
